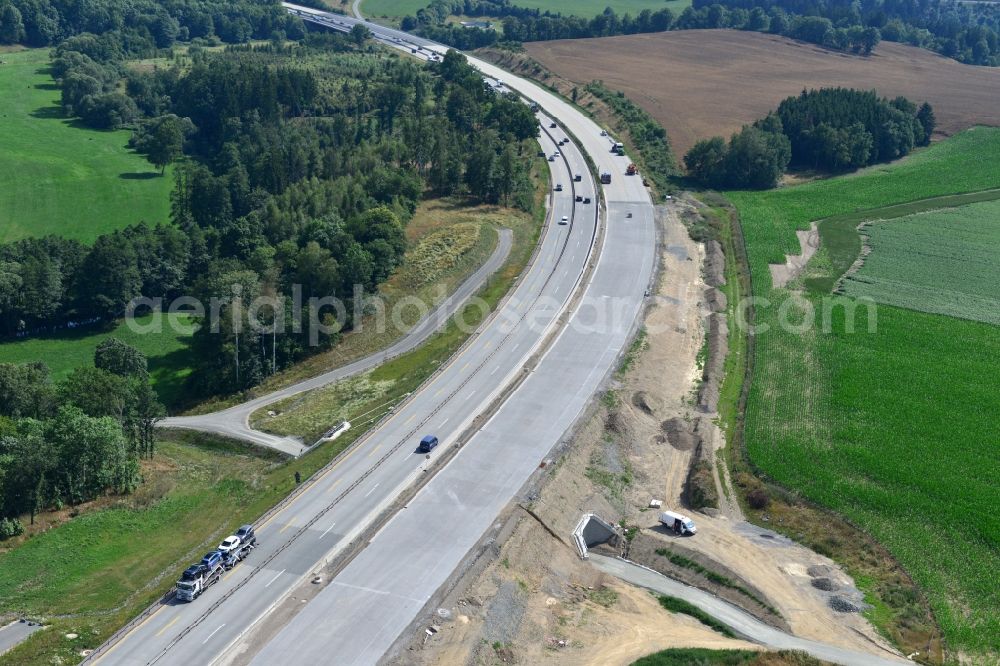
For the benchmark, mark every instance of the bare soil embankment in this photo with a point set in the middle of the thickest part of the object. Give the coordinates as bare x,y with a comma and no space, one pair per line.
701,83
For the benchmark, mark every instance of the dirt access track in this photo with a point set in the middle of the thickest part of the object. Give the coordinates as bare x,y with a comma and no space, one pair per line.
701,83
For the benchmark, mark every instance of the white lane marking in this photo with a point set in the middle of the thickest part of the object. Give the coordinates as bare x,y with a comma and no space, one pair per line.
514,348
327,530
372,590
494,371
372,490
213,633
472,393
275,577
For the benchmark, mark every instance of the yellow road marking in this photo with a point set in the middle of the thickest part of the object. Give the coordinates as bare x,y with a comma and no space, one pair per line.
288,524
320,478
133,630
334,485
170,624
379,446
412,416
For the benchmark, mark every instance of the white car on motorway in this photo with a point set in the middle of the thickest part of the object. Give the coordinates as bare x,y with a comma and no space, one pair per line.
229,544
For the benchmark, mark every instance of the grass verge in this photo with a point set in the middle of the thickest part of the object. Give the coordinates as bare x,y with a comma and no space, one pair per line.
681,561
675,605
707,657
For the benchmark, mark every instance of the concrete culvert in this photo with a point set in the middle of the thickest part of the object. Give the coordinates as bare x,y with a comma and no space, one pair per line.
824,584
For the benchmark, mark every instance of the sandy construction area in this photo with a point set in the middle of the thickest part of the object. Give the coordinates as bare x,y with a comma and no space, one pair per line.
699,83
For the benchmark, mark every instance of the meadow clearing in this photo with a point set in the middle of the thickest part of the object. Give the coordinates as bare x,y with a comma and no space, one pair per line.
59,177
888,419
166,349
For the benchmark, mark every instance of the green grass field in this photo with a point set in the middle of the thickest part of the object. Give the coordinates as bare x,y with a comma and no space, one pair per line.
943,262
57,177
167,351
894,426
584,8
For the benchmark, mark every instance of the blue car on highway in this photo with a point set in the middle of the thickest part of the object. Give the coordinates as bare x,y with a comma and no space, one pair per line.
427,443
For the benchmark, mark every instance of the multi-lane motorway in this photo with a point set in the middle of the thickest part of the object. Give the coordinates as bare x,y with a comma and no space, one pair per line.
558,333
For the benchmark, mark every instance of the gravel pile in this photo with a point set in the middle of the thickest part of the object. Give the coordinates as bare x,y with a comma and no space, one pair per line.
842,605
824,584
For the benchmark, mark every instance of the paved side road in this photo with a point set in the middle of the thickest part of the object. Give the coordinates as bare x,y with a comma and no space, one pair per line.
235,421
14,633
737,619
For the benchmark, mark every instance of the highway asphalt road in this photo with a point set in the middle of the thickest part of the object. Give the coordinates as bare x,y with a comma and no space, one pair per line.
374,599
344,499
15,632
736,618
235,421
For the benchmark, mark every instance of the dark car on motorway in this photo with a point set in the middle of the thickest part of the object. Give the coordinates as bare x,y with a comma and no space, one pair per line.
427,444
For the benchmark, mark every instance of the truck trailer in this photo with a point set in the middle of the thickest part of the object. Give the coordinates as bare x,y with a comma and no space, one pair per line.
196,579
199,577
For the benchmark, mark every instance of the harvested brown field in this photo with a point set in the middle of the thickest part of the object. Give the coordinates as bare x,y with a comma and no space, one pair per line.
701,83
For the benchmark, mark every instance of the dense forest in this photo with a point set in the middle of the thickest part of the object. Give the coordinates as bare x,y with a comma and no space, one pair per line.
966,31
68,442
298,171
526,25
141,27
296,165
832,129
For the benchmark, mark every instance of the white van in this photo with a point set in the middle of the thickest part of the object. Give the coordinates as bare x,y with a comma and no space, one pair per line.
678,523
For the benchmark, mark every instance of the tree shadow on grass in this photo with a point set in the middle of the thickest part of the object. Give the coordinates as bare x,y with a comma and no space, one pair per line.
54,112
170,374
139,175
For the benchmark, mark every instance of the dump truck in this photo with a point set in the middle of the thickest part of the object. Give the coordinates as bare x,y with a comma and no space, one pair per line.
631,170
605,178
618,148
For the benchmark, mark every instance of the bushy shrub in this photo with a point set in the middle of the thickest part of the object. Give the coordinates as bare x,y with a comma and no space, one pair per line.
10,527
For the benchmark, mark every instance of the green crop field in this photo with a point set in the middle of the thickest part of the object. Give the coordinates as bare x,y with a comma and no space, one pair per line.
57,177
892,425
585,8
166,348
943,261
